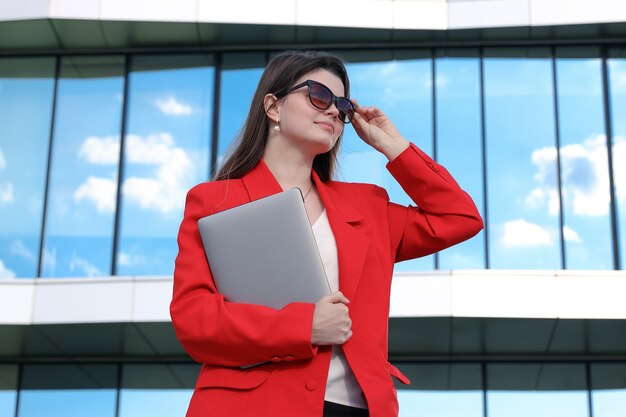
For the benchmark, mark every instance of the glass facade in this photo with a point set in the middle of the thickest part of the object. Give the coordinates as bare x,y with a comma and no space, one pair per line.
112,144
476,389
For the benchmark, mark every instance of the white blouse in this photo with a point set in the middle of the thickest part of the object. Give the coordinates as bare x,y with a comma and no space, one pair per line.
341,386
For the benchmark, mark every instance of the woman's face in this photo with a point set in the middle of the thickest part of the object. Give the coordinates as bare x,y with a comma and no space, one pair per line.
304,125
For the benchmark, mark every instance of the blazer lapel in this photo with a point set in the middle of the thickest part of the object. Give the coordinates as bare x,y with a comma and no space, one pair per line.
260,182
352,244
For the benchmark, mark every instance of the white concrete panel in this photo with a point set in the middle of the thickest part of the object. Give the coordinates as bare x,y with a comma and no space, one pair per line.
107,300
527,294
152,300
75,9
591,295
274,12
150,10
420,14
22,10
345,13
421,295
557,12
16,301
488,13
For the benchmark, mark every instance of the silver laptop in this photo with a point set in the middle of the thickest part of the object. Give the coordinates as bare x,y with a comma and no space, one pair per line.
264,252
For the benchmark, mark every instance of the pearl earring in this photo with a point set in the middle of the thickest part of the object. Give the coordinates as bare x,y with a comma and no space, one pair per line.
277,127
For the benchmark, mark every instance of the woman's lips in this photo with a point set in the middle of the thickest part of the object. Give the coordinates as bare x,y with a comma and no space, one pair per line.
327,125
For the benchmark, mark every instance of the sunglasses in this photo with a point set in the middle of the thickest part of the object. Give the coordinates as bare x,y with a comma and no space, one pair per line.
322,98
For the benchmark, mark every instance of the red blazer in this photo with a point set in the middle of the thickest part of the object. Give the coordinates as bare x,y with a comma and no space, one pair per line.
371,234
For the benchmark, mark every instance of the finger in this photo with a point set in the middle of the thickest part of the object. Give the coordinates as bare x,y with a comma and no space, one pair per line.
338,297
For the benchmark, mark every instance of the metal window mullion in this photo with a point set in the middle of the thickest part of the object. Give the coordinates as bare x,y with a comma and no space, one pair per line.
588,383
483,134
609,147
215,125
120,167
433,93
483,371
557,133
44,220
118,388
18,389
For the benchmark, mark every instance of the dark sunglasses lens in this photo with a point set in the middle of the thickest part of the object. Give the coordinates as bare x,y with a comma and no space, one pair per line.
320,96
346,109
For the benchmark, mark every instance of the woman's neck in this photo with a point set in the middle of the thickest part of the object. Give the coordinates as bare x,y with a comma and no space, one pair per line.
290,167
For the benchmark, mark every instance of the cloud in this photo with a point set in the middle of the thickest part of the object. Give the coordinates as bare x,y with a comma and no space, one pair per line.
19,249
173,107
101,151
165,190
82,265
571,235
5,272
50,261
584,176
126,259
100,191
520,233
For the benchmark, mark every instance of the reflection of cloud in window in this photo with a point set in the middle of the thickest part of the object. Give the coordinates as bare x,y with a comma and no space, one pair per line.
397,80
50,260
173,107
5,272
126,259
165,192
19,249
523,233
618,77
100,191
362,167
3,161
100,151
584,176
84,266
571,235
6,193
6,187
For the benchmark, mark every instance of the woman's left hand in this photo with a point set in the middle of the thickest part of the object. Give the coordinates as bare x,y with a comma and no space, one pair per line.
375,129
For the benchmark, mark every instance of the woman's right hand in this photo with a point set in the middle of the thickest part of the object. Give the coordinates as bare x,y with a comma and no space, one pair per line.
331,321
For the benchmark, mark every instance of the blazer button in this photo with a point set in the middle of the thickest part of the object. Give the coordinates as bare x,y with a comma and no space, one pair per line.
311,385
288,358
276,359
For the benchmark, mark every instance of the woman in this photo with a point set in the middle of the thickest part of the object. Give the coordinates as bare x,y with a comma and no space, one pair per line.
327,358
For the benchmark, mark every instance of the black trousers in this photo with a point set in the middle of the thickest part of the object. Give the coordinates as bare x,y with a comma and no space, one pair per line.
340,410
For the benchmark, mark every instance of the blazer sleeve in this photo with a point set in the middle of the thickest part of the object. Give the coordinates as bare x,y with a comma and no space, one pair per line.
445,214
215,331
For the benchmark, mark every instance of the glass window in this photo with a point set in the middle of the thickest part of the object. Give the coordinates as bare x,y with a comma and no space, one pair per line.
520,135
26,90
401,85
240,75
617,86
441,390
68,391
608,384
584,161
459,143
157,390
8,390
83,174
166,152
537,389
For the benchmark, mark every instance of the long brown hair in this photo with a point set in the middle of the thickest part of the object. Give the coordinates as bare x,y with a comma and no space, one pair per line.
281,73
